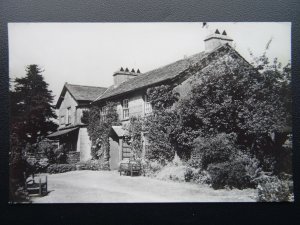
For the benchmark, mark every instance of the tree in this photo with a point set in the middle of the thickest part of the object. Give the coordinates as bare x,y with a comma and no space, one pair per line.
230,96
31,106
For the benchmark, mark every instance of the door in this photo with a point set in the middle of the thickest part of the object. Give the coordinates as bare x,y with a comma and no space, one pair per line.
114,153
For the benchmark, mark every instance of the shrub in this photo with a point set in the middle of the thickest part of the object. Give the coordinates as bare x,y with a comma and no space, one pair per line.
201,177
231,174
273,189
61,168
179,173
94,165
151,168
215,149
189,174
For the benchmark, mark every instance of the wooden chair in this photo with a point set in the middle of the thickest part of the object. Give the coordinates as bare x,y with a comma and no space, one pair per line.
40,188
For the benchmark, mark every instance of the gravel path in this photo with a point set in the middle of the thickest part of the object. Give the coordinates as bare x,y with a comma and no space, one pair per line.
109,186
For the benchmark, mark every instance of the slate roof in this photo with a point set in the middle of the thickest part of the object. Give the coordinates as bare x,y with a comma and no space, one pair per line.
120,132
80,92
61,132
152,77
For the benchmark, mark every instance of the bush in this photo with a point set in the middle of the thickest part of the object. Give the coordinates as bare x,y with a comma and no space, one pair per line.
94,165
201,177
151,168
273,189
229,174
179,173
215,149
60,168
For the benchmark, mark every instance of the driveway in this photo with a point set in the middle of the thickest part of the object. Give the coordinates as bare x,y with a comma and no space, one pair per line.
109,186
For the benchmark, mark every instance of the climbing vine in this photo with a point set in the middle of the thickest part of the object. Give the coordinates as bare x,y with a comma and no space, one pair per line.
161,124
99,127
135,129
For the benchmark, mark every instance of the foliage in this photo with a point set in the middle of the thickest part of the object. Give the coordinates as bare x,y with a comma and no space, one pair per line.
31,114
273,189
31,106
60,154
135,130
201,177
61,168
93,165
215,149
161,124
85,117
230,96
47,149
151,167
99,128
229,174
176,172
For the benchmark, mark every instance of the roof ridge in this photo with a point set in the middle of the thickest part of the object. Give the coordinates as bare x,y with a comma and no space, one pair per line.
144,76
103,93
84,85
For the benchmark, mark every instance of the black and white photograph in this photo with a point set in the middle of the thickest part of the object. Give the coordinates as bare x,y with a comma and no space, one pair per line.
152,112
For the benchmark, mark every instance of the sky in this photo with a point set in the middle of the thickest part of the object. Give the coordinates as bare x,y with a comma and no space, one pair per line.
89,53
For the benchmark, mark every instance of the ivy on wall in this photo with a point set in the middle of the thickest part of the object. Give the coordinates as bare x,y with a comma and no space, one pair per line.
161,124
135,129
99,129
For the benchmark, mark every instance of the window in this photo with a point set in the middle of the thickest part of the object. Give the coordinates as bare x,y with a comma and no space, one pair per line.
68,115
148,107
125,109
103,113
62,120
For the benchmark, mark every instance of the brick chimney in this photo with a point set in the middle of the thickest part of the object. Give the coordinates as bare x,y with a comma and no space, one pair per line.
124,75
216,39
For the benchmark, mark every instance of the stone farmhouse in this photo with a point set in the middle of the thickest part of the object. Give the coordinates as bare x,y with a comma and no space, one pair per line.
129,93
72,132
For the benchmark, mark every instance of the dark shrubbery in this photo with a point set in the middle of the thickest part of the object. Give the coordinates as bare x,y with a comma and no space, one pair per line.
215,149
94,165
275,189
61,168
229,174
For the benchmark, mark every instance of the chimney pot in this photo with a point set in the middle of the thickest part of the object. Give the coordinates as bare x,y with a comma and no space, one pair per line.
126,70
121,69
132,71
216,40
138,71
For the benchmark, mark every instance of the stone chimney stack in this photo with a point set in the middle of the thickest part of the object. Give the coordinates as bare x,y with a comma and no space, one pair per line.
216,39
124,75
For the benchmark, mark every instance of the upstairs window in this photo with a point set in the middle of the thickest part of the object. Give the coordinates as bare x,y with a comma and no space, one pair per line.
68,115
148,107
103,113
125,109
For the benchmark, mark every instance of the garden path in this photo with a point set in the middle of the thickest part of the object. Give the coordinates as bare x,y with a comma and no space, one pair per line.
109,186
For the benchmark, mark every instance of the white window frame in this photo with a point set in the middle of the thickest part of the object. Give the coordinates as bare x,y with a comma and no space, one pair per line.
147,105
68,115
103,113
125,107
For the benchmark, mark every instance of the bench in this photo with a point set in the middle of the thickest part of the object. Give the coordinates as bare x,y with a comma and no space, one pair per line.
37,188
131,167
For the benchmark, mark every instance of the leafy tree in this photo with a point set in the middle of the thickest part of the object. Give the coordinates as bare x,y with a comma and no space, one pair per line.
31,106
230,96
